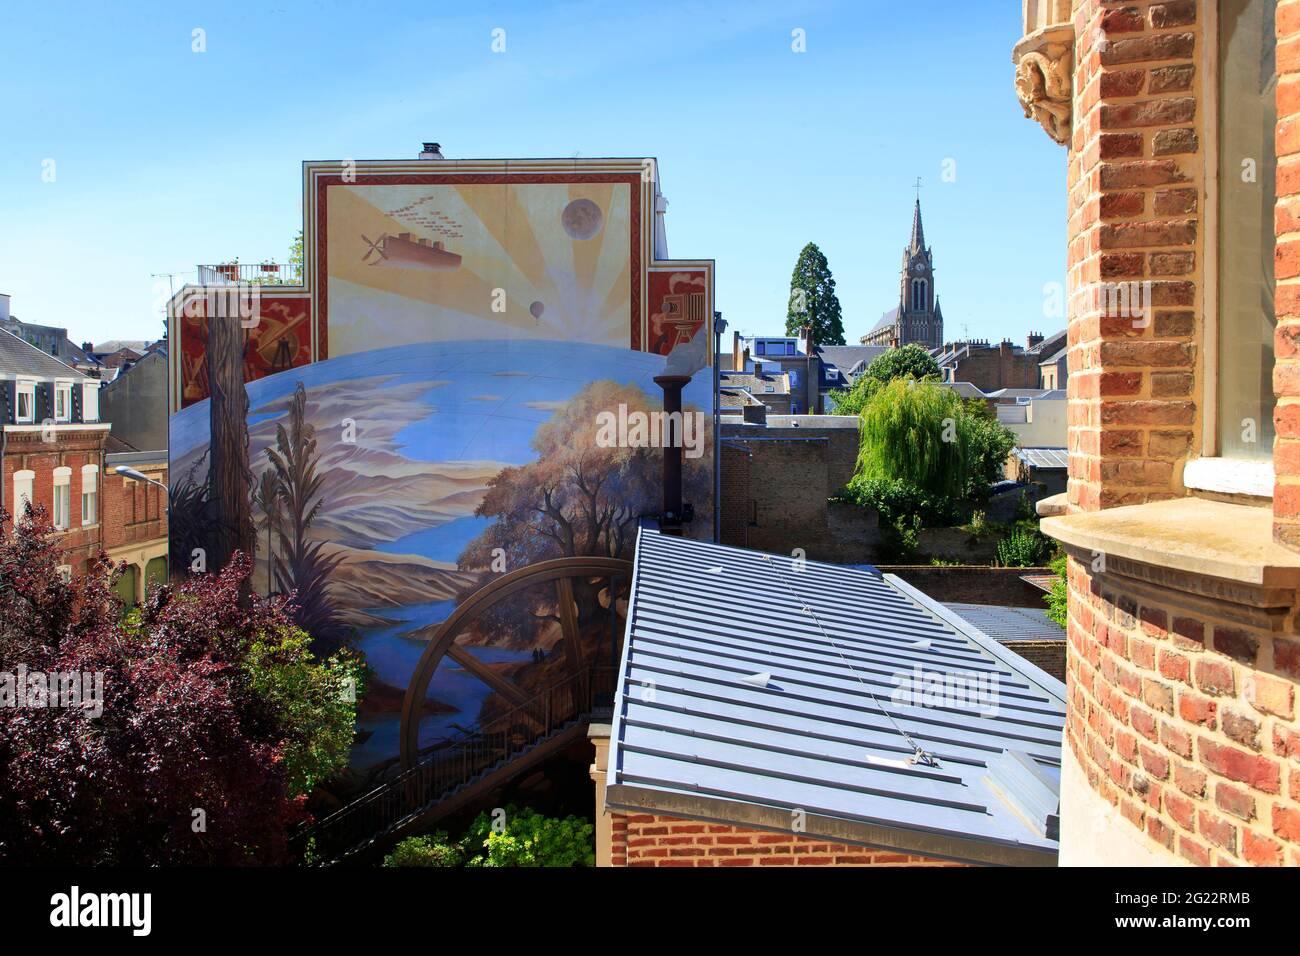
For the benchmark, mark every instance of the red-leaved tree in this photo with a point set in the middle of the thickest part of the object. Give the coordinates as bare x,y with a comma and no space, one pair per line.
215,721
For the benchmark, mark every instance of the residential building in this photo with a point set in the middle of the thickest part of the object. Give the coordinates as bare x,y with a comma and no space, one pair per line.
52,452
135,520
135,401
1182,515
1005,365
778,370
917,318
50,339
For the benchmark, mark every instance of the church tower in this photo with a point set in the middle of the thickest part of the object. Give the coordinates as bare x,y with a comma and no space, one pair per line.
917,317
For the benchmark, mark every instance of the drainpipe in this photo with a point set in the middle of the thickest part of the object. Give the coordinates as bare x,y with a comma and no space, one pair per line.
670,522
719,326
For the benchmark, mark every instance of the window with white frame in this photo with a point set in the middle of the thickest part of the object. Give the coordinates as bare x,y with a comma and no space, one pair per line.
23,481
62,510
1247,157
89,494
25,402
90,402
63,401
65,573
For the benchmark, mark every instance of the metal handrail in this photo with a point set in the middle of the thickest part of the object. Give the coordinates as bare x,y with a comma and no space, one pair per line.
457,761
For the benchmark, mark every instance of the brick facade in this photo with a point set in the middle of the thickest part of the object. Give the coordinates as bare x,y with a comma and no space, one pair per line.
1286,371
1186,723
1135,176
1181,685
72,448
776,479
643,839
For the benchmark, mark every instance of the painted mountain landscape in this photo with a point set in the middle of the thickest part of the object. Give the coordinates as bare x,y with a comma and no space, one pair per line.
429,468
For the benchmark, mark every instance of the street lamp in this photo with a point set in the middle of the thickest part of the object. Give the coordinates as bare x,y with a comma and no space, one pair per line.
127,472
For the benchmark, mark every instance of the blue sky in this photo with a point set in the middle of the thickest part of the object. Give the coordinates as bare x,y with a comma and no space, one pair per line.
164,157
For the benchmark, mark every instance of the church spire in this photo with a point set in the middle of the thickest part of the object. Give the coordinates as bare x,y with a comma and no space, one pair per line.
918,232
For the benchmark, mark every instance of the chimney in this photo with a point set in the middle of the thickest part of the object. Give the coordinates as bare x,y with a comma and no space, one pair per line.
431,151
670,522
1034,339
4,307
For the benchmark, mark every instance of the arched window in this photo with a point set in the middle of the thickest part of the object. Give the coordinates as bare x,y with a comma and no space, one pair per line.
918,295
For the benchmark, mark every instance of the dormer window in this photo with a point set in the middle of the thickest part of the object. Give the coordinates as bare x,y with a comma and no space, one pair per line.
25,403
62,402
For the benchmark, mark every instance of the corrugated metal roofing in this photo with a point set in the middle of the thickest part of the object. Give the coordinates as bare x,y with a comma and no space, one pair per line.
1044,457
752,690
1010,623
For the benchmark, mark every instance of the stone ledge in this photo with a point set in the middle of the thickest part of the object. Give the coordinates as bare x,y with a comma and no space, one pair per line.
1192,535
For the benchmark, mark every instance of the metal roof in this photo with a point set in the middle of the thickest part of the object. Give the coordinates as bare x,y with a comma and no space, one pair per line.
1050,458
752,690
1010,623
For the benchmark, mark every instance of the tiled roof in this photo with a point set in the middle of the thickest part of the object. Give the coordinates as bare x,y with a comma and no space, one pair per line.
752,691
22,358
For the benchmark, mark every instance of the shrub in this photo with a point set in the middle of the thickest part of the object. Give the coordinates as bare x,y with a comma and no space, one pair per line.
1058,598
210,702
527,838
432,849
1023,547
900,502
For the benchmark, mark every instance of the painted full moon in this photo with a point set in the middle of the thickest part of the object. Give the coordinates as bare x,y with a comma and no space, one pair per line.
582,219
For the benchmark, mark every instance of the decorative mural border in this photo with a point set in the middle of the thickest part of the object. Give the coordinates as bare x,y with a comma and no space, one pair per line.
319,175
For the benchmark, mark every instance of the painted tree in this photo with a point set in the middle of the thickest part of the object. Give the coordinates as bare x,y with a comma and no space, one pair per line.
215,723
578,497
230,518
300,566
267,494
812,299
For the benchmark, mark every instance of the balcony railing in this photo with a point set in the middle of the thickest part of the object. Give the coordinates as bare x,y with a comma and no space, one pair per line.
268,273
456,762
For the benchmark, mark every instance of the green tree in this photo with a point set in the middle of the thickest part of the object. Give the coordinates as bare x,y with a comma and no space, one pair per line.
909,361
918,433
812,299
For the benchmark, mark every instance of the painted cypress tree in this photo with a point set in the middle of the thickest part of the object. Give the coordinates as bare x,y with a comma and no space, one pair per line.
812,299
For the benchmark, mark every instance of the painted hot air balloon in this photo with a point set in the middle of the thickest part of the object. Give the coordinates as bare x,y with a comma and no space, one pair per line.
537,309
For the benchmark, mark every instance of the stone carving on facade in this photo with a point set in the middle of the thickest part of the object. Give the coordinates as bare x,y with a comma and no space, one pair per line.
1044,60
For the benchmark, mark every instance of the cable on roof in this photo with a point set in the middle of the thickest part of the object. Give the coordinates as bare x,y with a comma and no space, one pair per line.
920,754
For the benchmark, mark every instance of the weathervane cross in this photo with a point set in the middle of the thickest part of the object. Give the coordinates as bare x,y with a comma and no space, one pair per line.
917,187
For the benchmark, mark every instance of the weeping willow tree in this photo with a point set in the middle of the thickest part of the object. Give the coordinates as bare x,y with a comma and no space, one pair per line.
918,433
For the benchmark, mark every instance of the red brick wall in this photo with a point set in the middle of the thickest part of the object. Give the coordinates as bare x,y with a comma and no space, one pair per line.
1186,724
26,451
648,840
1179,715
133,512
1134,179
735,503
1286,371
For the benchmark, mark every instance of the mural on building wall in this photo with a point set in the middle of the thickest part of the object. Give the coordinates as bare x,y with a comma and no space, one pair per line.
480,340
281,339
679,307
